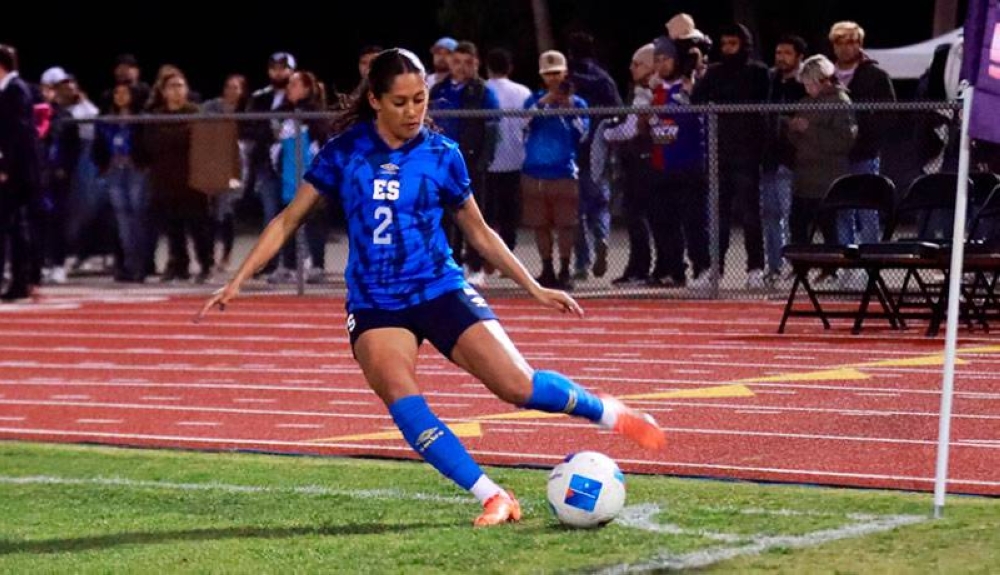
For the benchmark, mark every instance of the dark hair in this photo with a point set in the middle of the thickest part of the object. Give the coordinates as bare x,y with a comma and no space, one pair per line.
796,42
382,73
369,49
134,105
316,100
127,60
499,61
581,45
244,89
8,57
466,47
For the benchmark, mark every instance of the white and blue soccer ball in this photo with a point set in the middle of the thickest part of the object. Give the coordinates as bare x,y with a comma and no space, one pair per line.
586,490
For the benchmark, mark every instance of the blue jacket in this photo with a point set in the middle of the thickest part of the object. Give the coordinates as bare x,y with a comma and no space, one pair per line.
552,144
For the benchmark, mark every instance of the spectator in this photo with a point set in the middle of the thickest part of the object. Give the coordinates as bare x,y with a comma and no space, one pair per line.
591,82
60,155
738,78
365,57
234,98
501,203
635,150
779,155
692,43
91,221
19,173
305,94
119,159
865,82
127,72
262,134
440,59
463,89
677,206
549,178
823,141
182,211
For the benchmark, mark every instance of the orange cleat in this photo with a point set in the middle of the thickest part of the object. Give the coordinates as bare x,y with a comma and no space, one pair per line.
501,508
638,426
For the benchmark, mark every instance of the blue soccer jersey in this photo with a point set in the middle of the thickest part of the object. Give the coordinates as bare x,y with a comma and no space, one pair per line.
393,201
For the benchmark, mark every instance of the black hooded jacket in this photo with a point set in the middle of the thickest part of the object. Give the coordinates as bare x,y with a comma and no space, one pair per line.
737,79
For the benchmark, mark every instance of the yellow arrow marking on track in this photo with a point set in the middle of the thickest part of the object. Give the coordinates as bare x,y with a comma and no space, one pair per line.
474,429
987,349
839,373
732,390
937,359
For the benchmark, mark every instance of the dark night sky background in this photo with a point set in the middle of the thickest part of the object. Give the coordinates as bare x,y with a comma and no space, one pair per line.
239,37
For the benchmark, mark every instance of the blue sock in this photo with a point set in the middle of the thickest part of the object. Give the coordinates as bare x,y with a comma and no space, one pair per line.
555,393
432,439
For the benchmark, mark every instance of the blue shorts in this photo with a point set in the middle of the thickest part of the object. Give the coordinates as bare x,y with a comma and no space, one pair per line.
440,321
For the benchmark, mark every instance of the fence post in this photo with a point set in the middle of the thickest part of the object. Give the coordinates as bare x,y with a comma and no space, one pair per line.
713,202
300,234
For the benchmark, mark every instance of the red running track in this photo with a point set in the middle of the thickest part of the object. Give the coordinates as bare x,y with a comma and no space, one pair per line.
275,374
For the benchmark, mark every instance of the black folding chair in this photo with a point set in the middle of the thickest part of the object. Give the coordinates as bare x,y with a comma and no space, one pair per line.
916,255
851,192
982,256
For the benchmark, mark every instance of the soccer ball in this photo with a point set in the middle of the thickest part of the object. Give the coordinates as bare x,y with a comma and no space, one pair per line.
586,490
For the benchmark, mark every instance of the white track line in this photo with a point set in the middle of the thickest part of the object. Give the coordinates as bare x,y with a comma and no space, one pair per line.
192,408
567,424
770,388
964,372
100,421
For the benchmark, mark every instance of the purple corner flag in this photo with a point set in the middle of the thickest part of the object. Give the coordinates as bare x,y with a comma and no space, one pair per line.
981,67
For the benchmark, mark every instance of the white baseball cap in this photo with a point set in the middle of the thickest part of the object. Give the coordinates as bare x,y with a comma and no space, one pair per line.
54,75
551,61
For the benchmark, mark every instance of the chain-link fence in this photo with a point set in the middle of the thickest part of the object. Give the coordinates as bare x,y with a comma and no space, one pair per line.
690,201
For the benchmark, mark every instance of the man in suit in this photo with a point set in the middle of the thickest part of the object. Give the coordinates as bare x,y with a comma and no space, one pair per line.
19,172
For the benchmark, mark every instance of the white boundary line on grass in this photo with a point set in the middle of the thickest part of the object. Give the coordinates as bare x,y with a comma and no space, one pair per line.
640,517
635,516
229,488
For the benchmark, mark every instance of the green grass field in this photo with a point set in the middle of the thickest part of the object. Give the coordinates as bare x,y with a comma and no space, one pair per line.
82,509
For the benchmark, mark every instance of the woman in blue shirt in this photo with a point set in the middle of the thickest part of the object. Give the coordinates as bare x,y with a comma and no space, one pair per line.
394,179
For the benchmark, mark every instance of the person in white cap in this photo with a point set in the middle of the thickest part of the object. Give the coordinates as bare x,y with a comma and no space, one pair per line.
550,176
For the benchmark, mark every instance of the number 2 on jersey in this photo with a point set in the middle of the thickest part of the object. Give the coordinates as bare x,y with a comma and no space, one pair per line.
379,236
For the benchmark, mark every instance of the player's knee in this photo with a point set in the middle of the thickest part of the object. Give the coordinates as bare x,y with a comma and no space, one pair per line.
515,391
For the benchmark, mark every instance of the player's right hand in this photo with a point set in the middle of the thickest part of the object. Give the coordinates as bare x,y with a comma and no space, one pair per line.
220,297
558,300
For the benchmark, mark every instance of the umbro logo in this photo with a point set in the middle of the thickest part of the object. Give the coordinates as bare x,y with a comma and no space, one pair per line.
427,437
389,168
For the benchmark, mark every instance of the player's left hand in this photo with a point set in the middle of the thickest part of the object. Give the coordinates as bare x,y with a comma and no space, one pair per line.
559,300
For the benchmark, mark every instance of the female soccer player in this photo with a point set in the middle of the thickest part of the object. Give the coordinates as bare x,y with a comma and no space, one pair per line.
394,178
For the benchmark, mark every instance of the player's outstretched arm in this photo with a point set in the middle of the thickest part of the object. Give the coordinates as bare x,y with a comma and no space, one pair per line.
489,244
277,232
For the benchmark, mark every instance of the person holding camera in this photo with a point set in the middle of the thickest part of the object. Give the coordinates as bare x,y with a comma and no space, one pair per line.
550,176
